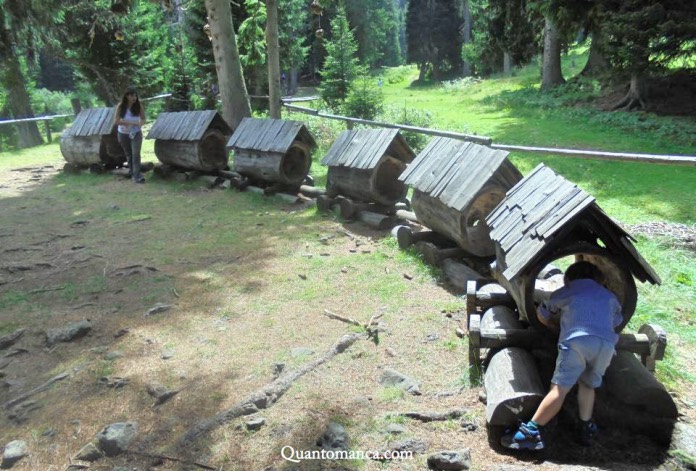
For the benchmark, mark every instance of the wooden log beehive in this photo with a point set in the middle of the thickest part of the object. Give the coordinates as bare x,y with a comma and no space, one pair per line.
92,139
545,218
456,185
365,164
192,140
272,150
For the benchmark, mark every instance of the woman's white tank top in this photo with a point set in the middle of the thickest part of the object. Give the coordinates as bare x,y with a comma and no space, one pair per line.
129,128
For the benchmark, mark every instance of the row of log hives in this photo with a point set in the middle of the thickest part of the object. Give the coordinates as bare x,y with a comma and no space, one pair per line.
495,234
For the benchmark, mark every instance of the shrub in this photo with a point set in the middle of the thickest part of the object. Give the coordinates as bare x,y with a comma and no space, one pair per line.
410,117
365,100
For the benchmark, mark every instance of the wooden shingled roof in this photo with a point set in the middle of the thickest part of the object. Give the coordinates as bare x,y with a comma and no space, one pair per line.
92,122
186,125
363,148
269,135
454,171
542,208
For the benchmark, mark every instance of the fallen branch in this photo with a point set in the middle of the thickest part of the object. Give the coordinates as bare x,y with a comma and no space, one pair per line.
169,458
8,340
45,290
36,390
434,416
347,320
265,397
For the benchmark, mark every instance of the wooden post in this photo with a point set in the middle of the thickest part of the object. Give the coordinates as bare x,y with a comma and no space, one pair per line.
47,122
458,274
513,387
375,220
433,255
631,383
475,368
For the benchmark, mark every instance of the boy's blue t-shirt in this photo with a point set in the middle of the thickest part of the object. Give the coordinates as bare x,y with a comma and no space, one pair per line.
586,308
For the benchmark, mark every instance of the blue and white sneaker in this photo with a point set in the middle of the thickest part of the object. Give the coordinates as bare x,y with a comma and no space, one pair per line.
525,438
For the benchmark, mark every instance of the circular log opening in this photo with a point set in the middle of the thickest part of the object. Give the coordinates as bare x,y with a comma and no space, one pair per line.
616,277
386,179
295,163
473,222
212,151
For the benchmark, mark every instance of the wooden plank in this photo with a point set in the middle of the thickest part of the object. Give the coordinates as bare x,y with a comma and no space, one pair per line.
199,122
420,162
454,185
421,165
478,172
332,157
269,134
274,143
442,160
456,160
552,224
359,142
233,141
374,151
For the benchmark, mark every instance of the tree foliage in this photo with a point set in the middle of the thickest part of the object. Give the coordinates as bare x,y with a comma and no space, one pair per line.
434,41
341,66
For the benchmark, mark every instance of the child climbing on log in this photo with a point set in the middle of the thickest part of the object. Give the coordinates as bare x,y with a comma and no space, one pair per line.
587,314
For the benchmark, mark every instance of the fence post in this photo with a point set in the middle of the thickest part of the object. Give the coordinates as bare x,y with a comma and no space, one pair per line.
76,106
47,122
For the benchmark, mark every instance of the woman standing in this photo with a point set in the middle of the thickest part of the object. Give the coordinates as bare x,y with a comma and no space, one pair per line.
130,118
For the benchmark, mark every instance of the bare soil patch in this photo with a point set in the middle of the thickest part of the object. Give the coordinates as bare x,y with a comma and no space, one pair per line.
245,298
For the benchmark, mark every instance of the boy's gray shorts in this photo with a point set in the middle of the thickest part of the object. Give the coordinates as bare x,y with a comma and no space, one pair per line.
584,359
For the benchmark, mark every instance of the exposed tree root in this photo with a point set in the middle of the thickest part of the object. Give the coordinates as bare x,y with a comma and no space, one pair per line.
36,390
265,397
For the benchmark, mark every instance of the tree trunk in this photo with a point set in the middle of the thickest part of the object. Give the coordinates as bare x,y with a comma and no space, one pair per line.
293,82
18,99
466,36
596,62
507,63
233,92
634,98
274,92
551,69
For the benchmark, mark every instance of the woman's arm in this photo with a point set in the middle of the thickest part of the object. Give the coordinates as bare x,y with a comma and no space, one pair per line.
117,116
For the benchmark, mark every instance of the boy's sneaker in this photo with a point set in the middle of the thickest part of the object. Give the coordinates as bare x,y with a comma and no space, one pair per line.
588,431
525,438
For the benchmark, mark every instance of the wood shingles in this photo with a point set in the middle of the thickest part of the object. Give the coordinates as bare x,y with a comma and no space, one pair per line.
455,171
92,122
364,148
544,206
186,125
269,135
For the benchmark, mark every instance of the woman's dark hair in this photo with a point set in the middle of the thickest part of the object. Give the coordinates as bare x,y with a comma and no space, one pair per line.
582,270
123,106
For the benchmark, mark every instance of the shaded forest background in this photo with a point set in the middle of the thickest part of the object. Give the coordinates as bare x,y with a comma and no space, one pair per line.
56,53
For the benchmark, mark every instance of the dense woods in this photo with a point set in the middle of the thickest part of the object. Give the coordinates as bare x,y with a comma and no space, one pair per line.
52,52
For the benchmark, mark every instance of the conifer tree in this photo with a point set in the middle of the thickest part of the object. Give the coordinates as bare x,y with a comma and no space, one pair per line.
341,64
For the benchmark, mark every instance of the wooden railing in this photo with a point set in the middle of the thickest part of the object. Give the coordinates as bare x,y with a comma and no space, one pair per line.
683,160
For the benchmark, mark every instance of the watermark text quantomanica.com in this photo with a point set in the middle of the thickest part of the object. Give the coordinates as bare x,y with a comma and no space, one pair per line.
290,454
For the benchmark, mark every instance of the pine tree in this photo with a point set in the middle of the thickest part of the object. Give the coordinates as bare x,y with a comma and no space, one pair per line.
434,41
341,65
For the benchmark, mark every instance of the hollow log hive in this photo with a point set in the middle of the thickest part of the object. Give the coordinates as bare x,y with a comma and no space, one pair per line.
546,217
456,184
92,139
191,140
365,165
272,150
